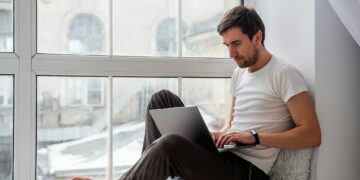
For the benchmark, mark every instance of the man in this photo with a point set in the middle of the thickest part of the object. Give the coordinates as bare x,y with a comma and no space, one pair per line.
271,107
268,96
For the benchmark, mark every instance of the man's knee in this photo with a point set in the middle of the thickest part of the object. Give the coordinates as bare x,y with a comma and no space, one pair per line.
164,99
169,143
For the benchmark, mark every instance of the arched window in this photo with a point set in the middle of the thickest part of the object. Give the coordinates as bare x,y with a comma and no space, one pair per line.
166,44
166,37
6,31
86,35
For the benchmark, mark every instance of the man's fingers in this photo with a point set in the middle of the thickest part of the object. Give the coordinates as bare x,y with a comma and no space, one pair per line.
223,140
218,142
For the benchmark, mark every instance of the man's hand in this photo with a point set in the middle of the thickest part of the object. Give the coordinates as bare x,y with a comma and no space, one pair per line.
81,178
235,138
216,135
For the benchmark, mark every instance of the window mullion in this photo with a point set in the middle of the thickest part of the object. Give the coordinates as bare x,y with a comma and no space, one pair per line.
25,101
109,172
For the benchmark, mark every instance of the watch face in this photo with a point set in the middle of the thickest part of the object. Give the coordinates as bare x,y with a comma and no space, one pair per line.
254,133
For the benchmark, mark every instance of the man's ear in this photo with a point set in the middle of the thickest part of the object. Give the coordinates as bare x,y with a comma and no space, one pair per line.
258,37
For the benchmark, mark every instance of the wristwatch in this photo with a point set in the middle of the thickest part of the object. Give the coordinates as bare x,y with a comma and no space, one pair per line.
256,136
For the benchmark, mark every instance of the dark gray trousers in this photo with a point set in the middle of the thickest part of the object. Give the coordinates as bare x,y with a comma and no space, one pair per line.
172,155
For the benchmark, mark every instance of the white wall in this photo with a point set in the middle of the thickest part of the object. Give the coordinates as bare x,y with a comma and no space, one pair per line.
290,35
337,96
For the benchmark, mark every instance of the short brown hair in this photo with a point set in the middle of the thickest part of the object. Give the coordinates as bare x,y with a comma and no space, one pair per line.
244,18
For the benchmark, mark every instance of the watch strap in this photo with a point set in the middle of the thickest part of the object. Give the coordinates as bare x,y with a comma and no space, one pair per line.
256,136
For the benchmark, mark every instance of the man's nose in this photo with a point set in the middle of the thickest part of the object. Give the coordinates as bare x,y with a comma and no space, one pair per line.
232,52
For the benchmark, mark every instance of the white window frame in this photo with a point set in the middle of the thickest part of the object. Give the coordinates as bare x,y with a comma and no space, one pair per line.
25,64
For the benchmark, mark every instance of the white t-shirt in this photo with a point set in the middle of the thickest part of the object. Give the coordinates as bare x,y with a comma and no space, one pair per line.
260,104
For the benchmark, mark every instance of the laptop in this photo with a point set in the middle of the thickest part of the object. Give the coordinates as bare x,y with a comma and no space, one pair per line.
188,123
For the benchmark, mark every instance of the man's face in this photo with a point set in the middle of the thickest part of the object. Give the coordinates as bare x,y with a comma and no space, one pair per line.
241,48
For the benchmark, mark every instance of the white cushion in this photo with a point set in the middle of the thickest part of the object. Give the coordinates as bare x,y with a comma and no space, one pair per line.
292,165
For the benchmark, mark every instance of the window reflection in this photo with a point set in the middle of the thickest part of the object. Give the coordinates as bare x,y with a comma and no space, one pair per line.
131,96
6,30
72,136
212,96
86,35
6,127
71,127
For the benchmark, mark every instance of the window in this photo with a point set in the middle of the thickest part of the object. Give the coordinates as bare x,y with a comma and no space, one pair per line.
72,27
76,91
152,32
86,35
65,133
212,96
141,36
85,91
130,98
201,39
7,77
143,46
6,29
6,127
94,92
6,91
166,38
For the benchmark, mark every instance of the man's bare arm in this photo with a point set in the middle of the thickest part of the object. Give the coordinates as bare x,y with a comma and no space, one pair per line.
307,131
305,134
231,116
227,125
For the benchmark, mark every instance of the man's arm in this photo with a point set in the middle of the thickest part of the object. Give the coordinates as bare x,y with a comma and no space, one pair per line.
231,116
223,130
307,130
305,134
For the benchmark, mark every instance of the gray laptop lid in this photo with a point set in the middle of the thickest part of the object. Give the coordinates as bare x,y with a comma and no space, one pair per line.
186,122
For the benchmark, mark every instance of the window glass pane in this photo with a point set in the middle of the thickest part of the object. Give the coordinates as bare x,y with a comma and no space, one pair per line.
212,96
145,28
201,39
6,28
73,27
6,127
94,92
130,99
71,129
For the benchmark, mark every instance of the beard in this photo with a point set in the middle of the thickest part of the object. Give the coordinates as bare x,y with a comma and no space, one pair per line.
250,61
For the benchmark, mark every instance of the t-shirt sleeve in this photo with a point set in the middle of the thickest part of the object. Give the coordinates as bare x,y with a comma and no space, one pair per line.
289,82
